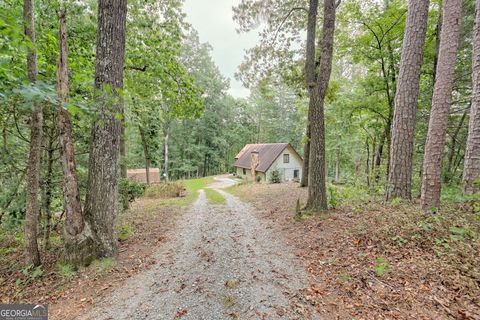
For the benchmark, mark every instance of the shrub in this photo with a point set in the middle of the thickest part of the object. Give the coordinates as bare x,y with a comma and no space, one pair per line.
165,190
258,178
275,176
129,190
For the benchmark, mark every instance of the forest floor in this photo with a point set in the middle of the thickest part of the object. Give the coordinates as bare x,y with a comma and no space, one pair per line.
371,260
239,253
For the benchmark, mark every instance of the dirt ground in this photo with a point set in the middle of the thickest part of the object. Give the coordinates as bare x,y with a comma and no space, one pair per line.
356,271
69,295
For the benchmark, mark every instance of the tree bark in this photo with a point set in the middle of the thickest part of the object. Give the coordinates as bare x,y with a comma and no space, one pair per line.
47,200
471,171
77,235
32,255
310,79
408,84
317,193
146,153
441,101
101,207
453,148
166,136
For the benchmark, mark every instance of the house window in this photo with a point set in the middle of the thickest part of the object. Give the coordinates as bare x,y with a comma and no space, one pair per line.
286,158
244,171
295,174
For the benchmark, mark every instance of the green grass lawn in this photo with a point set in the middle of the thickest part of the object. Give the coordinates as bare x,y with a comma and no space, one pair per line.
214,196
193,186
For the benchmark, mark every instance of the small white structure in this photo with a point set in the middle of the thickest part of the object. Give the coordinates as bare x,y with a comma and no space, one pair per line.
258,161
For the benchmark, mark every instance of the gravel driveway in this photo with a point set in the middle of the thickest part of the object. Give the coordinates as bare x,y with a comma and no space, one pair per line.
221,262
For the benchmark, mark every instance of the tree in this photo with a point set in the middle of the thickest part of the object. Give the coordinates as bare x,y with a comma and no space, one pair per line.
399,183
310,78
101,206
78,237
441,101
32,254
317,193
471,171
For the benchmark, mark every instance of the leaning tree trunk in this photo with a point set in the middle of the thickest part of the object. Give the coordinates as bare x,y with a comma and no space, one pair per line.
403,133
471,170
32,255
101,206
78,237
441,101
317,191
310,79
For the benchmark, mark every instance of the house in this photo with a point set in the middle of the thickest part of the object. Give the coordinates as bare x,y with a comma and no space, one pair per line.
260,160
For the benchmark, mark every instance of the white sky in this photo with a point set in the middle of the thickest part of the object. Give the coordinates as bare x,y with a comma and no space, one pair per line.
213,21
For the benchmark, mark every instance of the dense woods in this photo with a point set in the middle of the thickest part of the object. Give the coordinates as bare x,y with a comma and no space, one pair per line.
379,96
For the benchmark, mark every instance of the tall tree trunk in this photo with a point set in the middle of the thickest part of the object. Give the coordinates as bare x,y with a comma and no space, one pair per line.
471,171
310,79
317,193
166,136
146,153
32,255
453,148
123,152
78,236
438,30
47,195
101,207
441,101
408,84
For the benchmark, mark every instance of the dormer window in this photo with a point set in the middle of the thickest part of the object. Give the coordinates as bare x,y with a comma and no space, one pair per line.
286,158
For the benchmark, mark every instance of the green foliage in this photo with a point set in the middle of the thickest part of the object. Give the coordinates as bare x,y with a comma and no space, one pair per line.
129,190
275,176
29,274
381,266
333,197
103,266
125,232
65,270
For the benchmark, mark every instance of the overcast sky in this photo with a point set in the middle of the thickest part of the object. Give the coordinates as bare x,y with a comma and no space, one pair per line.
213,21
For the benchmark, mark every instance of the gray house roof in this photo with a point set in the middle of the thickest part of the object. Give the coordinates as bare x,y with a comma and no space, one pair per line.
267,154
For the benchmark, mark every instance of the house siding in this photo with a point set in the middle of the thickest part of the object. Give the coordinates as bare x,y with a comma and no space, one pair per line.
248,174
286,169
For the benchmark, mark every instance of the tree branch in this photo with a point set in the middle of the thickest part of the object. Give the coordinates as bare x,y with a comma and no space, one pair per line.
285,19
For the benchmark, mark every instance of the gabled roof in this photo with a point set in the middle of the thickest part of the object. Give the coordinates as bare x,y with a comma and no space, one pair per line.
267,154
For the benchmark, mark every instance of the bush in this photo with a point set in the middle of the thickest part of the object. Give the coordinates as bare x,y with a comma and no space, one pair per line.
258,178
275,177
129,190
165,190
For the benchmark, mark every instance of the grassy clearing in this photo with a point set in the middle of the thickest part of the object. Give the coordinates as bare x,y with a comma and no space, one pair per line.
192,186
240,190
214,196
